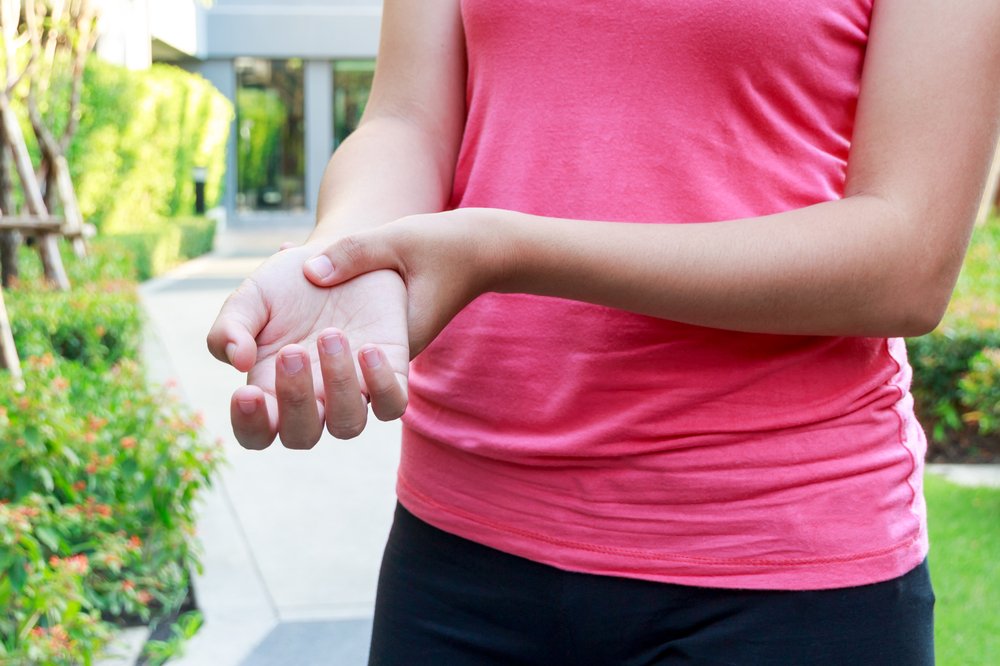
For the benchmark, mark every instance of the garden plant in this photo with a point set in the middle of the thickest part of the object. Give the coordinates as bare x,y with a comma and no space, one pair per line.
98,475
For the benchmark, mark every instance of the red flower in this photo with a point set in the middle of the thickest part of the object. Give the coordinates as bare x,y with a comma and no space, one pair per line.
128,442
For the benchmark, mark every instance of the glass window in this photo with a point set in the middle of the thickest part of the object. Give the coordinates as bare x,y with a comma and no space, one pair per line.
271,135
352,82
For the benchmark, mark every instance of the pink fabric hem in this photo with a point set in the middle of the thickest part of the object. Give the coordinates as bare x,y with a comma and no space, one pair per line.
850,570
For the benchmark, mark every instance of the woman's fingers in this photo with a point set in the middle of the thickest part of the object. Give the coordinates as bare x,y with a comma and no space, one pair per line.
295,415
299,424
351,256
387,395
255,422
232,337
346,407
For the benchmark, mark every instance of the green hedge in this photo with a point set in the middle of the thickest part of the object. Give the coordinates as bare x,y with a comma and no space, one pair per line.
158,247
956,368
99,472
141,133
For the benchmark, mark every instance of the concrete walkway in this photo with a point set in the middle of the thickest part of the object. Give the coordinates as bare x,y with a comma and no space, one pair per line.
292,540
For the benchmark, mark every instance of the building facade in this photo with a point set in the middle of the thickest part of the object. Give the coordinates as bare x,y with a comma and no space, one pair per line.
298,73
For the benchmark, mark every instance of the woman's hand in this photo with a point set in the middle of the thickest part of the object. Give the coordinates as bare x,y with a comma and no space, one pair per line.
297,343
445,259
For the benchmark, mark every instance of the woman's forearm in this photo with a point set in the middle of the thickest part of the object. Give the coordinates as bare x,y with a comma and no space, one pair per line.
386,169
851,267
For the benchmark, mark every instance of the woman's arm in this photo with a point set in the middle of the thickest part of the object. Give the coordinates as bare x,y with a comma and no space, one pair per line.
401,158
881,262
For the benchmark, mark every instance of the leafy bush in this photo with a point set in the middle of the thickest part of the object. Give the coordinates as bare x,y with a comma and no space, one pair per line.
158,247
955,373
96,328
979,391
99,477
98,471
141,133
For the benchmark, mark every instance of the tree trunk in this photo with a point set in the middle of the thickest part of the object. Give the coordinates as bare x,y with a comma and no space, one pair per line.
8,353
71,207
991,198
47,247
9,240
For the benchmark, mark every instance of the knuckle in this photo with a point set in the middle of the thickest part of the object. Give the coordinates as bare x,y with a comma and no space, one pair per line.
340,383
353,249
293,394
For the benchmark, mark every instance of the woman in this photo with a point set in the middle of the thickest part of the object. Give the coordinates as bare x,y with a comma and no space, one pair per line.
656,260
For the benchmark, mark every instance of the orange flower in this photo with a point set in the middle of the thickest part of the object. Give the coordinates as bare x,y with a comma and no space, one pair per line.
128,584
95,423
91,468
79,486
37,632
89,437
134,542
143,597
60,384
128,442
103,510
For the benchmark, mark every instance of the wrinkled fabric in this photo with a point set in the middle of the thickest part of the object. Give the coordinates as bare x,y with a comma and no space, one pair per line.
606,442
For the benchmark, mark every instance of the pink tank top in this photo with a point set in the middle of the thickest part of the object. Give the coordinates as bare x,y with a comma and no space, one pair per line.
602,441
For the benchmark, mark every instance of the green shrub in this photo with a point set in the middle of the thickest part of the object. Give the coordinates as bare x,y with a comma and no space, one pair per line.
98,472
158,247
97,328
197,235
98,478
979,391
952,367
141,133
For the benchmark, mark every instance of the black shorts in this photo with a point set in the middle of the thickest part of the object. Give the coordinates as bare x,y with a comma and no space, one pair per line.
447,601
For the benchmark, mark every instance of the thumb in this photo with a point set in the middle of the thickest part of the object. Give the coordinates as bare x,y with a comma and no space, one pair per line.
232,338
351,256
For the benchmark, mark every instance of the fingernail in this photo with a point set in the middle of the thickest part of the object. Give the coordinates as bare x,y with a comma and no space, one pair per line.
320,267
292,362
248,407
231,351
372,358
332,344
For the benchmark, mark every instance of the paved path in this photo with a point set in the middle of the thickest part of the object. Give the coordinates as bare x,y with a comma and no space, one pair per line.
292,540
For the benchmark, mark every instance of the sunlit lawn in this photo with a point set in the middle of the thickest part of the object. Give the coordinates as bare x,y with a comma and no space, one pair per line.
965,568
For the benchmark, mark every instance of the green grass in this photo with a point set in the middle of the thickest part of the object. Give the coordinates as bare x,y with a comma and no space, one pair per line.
965,569
976,301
